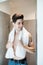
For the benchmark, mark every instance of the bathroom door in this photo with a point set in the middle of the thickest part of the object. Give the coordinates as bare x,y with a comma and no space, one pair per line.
4,31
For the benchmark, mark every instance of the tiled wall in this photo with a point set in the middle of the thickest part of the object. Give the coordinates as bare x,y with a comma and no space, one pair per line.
31,26
4,31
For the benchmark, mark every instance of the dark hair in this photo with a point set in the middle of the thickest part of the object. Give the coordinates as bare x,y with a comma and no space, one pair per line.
15,17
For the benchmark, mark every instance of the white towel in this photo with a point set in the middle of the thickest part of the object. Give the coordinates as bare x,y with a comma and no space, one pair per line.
23,35
25,39
9,53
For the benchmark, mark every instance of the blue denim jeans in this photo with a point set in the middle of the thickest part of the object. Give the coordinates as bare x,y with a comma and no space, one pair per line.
13,62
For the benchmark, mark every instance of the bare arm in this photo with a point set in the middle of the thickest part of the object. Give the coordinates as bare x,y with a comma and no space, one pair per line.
30,47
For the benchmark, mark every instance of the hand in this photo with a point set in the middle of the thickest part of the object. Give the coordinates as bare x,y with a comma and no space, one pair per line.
16,58
8,45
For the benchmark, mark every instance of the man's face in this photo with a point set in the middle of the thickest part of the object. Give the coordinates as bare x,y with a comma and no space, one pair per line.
19,24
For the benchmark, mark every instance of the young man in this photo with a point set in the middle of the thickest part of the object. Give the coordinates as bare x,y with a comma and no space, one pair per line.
20,40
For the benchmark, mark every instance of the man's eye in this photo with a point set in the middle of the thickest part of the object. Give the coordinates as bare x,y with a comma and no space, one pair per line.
22,22
19,23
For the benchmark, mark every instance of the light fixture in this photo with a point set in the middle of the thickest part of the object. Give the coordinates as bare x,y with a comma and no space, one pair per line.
2,1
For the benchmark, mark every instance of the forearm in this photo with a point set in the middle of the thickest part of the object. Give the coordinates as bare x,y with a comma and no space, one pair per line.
29,49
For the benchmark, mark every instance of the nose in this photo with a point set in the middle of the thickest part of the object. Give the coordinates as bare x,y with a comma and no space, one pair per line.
21,24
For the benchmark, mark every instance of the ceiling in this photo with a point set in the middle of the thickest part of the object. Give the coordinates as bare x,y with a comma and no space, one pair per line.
2,1
27,7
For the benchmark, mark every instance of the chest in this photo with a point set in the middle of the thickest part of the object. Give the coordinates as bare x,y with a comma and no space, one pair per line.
16,40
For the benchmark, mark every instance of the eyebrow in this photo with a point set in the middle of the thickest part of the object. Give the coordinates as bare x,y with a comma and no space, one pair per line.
19,22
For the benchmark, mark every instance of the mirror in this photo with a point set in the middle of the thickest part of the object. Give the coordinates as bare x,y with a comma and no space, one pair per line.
28,9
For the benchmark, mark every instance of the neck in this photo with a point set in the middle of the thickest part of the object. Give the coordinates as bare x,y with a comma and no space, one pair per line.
17,31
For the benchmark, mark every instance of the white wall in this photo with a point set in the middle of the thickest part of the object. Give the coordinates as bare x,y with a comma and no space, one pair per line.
39,32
